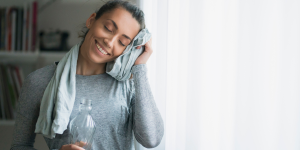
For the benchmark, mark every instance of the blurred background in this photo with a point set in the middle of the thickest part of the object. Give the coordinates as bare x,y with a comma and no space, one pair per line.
225,73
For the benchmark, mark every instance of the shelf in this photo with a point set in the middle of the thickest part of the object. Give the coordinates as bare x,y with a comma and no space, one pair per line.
13,2
19,57
29,57
49,54
7,122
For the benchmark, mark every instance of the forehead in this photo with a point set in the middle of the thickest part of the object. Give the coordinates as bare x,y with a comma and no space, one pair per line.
124,20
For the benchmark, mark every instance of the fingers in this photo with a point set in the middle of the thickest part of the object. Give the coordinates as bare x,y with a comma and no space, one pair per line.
71,147
148,44
75,147
80,144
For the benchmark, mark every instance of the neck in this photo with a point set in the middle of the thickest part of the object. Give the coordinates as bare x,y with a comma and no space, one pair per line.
86,67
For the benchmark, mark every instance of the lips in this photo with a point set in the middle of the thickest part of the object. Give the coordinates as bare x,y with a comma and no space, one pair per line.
100,48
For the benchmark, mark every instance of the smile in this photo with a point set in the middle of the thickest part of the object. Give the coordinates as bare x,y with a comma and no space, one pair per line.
100,49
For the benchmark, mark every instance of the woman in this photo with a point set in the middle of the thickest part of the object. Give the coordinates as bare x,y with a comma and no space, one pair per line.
119,107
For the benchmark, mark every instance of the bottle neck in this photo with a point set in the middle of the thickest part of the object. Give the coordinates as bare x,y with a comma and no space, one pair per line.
85,105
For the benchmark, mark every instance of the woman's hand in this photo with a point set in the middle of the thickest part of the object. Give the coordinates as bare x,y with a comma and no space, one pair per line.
71,147
142,59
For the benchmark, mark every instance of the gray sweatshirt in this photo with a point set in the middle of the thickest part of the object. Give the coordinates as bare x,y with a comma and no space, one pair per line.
119,109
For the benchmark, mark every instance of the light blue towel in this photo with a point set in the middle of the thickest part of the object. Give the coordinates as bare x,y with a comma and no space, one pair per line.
59,96
120,69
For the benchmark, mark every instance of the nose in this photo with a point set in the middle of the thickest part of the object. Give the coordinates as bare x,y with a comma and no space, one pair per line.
109,42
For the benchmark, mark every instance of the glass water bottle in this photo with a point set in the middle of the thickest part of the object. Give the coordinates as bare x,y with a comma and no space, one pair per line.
82,127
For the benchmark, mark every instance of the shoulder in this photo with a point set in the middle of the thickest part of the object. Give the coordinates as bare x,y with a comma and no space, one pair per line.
42,73
40,77
33,89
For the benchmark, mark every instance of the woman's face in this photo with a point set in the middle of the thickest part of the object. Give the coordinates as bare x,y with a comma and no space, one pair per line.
109,35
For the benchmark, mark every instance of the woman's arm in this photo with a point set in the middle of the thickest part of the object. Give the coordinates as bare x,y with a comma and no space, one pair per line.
24,135
148,125
25,120
29,106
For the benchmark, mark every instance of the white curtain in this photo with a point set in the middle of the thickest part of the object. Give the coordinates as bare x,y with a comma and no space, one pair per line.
226,73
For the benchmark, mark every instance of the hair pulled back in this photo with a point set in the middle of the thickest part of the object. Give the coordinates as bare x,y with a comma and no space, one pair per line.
136,13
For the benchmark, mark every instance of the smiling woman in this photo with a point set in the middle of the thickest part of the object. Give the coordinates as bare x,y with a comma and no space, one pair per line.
121,109
109,35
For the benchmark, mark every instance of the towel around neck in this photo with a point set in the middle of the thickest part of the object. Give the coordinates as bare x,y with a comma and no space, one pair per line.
59,96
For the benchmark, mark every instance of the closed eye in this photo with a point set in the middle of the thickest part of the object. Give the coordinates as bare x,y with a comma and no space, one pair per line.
121,43
107,29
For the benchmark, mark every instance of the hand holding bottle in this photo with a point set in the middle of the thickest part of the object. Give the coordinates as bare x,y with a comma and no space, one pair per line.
71,147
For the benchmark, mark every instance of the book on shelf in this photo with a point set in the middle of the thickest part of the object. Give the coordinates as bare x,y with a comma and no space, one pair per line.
24,27
18,27
13,29
34,25
11,79
3,116
16,81
2,28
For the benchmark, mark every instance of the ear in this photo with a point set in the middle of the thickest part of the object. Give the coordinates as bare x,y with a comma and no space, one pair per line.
89,22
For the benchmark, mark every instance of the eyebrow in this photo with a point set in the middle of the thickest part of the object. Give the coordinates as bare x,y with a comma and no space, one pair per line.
117,29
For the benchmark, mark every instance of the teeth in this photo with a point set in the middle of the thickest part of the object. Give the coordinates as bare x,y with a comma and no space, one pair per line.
100,49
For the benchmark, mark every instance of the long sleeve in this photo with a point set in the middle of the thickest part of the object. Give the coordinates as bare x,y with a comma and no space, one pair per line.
24,135
28,106
148,125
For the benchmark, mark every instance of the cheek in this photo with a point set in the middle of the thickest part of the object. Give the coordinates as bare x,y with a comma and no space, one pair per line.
119,51
99,32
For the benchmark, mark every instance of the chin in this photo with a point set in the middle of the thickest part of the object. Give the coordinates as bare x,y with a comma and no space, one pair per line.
95,59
